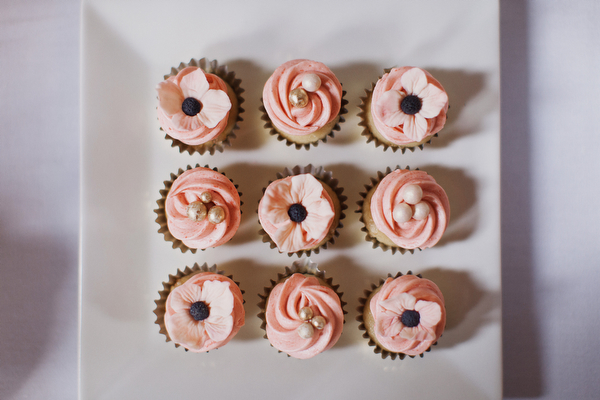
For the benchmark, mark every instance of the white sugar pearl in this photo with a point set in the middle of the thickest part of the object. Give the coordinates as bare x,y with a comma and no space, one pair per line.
196,211
311,82
306,331
402,213
412,194
421,211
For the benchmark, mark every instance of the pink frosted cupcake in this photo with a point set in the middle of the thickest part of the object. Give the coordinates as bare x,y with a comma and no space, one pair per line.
403,316
199,106
404,210
302,312
301,211
303,103
198,209
200,309
405,109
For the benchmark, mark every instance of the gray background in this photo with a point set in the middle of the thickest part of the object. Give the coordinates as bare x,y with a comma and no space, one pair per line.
550,52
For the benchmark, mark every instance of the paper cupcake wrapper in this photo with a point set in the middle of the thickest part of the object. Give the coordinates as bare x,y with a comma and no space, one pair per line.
367,132
363,303
160,309
272,131
325,177
305,267
363,195
161,218
211,67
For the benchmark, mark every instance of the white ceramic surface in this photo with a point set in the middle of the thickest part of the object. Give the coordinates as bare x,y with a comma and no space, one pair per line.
128,46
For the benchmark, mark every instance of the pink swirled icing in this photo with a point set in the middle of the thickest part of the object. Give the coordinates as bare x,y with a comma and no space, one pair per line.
226,312
408,81
198,133
408,292
285,301
412,234
290,236
323,105
186,189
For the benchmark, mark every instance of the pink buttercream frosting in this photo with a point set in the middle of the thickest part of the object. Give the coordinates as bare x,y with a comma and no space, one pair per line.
290,236
209,90
284,303
186,189
408,292
390,120
414,233
323,106
226,314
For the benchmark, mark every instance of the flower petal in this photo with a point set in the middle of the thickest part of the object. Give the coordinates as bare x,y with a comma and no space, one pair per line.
415,127
170,97
218,327
183,329
182,297
430,313
398,304
305,188
218,297
194,84
388,107
414,81
215,106
388,326
434,99
288,237
183,122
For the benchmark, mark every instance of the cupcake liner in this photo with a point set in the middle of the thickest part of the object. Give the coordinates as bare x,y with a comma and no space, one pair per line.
364,303
363,195
188,272
222,72
161,213
272,131
325,177
305,267
364,109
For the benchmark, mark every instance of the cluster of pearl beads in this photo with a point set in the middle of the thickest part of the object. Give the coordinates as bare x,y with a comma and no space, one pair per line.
197,211
310,83
307,329
412,195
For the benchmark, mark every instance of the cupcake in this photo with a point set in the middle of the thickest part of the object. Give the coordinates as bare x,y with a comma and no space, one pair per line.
301,211
405,109
199,106
302,312
404,210
200,309
303,103
403,316
198,209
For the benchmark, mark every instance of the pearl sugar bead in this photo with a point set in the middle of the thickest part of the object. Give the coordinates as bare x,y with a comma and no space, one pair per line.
305,313
206,197
412,194
318,322
298,98
421,211
311,82
306,331
402,213
216,215
196,211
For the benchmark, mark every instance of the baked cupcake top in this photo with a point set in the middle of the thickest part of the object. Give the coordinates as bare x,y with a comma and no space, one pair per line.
296,212
203,208
193,106
409,314
302,96
205,312
304,318
410,208
408,105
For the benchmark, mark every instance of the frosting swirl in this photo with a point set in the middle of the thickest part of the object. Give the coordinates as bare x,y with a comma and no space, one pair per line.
399,334
188,188
408,105
284,304
293,233
223,318
323,106
390,193
210,119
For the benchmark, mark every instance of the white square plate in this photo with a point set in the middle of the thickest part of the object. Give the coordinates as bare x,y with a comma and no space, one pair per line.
127,48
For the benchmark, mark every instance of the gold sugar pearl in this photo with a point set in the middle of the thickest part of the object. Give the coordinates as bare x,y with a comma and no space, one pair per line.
298,98
206,197
318,322
306,331
196,211
305,313
216,215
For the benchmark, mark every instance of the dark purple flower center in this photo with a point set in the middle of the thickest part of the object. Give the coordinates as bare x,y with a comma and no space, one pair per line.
297,212
411,104
199,311
191,106
410,318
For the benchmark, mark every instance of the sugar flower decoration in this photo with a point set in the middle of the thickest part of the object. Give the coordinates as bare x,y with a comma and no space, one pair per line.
200,313
299,212
405,316
412,105
191,103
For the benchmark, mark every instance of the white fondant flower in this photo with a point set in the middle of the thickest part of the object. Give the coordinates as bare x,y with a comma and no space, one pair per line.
184,329
214,104
389,324
414,124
